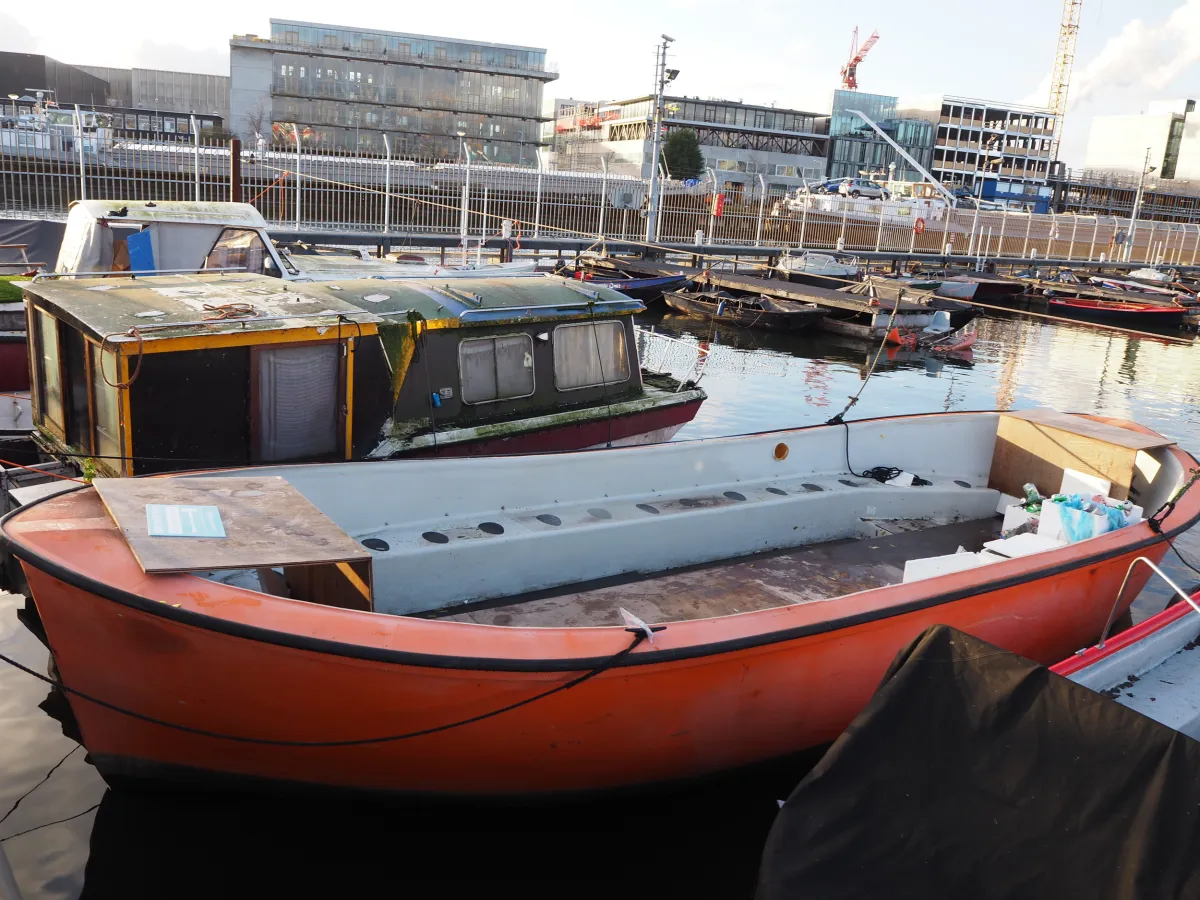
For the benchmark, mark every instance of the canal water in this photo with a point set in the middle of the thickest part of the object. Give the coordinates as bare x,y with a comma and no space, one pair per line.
701,840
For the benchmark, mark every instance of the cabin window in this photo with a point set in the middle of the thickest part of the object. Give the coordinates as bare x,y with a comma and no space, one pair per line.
49,371
499,368
296,402
590,354
106,414
241,248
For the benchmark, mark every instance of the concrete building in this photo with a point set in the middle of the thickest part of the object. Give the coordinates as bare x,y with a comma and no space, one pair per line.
1118,144
739,141
997,151
347,88
856,150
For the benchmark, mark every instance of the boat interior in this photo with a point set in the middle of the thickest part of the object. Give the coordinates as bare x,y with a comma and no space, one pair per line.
698,529
1156,675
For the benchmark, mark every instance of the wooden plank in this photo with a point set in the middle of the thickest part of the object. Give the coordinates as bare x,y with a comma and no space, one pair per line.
267,523
1035,446
1101,431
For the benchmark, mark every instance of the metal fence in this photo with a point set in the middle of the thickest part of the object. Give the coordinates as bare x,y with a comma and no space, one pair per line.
41,173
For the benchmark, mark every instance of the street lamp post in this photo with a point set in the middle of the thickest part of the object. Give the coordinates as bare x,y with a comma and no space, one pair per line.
1137,204
661,79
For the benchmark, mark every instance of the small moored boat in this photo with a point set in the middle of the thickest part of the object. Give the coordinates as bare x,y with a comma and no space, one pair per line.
572,622
746,312
1115,312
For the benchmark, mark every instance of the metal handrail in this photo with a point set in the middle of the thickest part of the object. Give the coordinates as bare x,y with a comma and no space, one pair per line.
1128,572
132,273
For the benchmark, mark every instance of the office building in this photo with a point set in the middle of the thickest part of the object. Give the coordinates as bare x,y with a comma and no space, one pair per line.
857,150
177,92
1119,144
998,151
347,88
742,144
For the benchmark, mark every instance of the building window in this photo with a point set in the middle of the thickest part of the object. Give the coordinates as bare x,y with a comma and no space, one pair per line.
302,72
476,57
367,45
291,37
494,369
329,40
404,49
510,60
590,354
131,121
439,52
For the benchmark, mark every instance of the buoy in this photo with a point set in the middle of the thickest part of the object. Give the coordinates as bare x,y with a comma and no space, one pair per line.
919,226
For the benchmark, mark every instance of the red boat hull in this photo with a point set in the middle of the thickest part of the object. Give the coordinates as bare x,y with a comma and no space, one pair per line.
14,362
646,427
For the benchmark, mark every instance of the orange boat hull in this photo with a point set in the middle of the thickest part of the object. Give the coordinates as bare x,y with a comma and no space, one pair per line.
629,725
218,662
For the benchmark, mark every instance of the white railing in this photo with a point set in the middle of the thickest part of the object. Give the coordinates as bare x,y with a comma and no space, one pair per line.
307,189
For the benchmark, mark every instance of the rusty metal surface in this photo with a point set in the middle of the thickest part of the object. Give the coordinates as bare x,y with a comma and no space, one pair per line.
761,581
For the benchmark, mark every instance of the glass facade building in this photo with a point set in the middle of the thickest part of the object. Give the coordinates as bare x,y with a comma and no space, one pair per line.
857,150
348,88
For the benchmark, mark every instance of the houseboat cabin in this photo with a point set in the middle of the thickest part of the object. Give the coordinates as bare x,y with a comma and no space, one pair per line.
169,372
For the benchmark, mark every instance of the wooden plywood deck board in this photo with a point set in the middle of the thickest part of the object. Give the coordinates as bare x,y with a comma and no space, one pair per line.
1037,445
267,523
760,581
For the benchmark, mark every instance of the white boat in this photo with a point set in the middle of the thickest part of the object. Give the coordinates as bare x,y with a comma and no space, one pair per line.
823,265
1152,667
325,265
104,236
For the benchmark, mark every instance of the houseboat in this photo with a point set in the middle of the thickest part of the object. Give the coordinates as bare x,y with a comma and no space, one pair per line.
170,372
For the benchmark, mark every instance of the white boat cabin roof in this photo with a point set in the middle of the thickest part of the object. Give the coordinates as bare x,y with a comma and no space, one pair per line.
191,212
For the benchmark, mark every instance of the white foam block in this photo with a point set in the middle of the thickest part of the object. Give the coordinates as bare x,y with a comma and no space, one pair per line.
1014,517
932,566
987,556
1007,500
1075,482
1023,545
1050,522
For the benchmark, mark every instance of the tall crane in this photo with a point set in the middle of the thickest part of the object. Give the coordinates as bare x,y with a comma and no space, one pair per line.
850,69
1064,59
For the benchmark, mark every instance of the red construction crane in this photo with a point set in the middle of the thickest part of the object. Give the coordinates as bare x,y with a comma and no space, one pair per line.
850,69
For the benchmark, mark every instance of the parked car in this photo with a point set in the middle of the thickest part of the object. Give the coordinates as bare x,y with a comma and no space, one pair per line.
863,187
829,186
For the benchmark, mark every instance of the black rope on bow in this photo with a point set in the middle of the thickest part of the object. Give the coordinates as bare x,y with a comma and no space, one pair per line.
639,635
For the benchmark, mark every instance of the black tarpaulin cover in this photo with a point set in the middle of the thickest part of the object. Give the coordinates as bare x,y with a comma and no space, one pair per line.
977,773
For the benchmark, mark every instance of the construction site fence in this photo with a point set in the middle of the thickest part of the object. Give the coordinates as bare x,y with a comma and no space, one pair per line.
297,187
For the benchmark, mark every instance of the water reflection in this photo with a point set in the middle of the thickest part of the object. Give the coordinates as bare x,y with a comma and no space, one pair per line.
703,841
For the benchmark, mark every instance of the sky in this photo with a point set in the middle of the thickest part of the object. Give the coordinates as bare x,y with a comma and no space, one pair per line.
786,52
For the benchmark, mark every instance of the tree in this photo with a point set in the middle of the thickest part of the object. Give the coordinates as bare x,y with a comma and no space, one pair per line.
681,154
